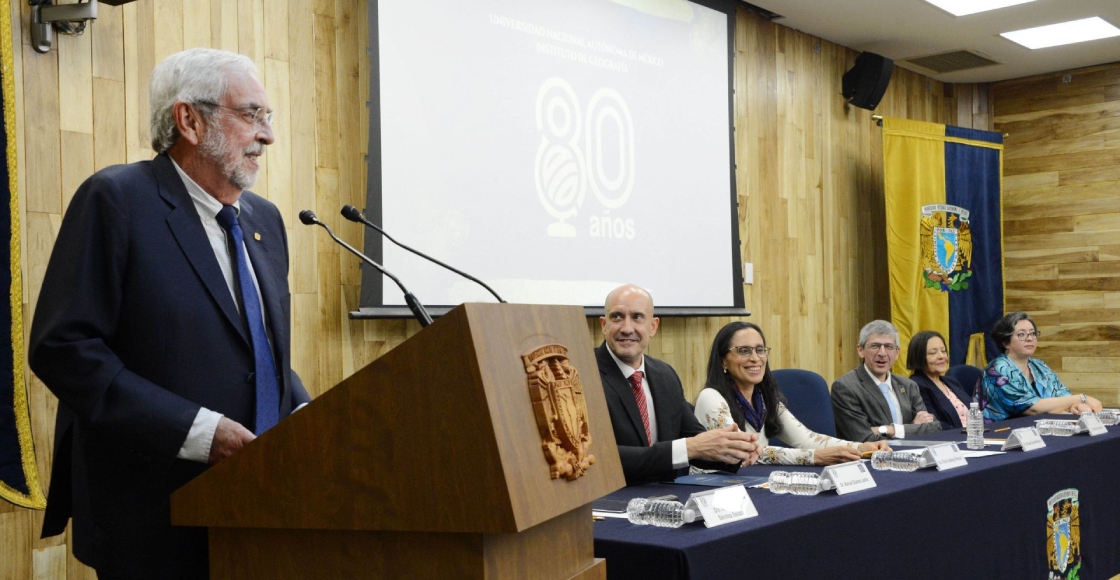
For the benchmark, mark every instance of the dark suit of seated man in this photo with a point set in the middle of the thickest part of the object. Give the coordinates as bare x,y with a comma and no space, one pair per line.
646,401
869,403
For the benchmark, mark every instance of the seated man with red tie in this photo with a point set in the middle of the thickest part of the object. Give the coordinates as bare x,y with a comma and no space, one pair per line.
656,432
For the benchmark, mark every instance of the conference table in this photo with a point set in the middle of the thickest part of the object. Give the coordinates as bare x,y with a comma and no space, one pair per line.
987,519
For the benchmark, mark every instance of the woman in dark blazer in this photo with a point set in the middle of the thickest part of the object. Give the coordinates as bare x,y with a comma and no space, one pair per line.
944,396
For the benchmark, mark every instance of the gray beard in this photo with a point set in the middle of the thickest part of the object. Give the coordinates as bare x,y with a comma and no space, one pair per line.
215,146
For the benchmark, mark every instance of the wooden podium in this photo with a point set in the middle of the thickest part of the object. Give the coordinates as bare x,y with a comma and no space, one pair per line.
428,463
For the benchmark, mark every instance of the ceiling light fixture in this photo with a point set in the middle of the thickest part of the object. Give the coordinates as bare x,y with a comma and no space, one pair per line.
1071,32
966,7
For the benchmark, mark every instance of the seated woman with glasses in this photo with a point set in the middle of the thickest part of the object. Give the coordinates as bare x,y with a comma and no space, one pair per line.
740,390
944,396
1016,383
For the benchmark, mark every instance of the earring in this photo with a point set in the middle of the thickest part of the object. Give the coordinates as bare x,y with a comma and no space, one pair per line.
725,370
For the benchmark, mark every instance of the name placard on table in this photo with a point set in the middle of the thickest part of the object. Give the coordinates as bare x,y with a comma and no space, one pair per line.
1026,438
1092,423
847,477
723,505
945,456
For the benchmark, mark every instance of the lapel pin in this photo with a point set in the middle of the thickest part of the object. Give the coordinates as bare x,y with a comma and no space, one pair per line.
257,236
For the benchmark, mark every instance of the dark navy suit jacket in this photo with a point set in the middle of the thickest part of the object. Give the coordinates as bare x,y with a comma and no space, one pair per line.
134,330
937,403
641,461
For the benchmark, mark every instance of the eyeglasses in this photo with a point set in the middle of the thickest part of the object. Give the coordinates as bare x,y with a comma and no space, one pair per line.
257,116
875,347
761,351
1025,335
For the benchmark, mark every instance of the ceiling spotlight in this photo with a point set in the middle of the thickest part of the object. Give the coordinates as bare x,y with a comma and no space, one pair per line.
1094,28
966,7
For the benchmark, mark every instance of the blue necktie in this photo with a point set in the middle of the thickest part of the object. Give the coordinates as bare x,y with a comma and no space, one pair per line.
268,389
895,414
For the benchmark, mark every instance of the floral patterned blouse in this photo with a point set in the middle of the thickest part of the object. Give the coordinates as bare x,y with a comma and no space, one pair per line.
713,413
1009,392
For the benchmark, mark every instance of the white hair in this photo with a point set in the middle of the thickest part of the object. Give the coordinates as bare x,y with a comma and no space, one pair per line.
193,76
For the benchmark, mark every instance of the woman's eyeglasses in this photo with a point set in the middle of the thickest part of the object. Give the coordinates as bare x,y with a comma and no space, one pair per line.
761,351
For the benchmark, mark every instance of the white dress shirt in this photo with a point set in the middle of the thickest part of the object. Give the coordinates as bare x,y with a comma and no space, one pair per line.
899,432
196,447
680,448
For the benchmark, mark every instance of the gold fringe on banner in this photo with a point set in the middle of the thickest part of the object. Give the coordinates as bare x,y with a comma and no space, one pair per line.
35,499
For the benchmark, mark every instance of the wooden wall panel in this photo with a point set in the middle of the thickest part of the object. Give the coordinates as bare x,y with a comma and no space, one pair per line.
1061,220
15,524
809,181
84,106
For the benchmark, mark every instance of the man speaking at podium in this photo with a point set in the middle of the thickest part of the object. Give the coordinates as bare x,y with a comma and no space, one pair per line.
655,430
164,321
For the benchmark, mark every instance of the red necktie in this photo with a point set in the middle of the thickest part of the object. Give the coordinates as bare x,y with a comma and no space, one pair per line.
640,397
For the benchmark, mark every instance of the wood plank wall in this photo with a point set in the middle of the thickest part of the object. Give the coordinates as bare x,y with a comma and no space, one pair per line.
810,193
809,184
84,106
1062,218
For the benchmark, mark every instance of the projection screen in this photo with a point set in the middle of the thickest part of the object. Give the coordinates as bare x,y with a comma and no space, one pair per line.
554,150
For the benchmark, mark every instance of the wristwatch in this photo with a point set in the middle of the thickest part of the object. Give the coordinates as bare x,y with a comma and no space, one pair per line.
1084,399
883,430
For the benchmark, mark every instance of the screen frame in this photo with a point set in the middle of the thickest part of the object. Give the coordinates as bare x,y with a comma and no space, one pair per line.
372,281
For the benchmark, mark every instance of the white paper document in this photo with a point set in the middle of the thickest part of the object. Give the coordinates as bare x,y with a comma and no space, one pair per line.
970,453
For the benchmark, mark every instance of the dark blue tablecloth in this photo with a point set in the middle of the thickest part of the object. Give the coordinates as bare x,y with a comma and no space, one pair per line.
988,519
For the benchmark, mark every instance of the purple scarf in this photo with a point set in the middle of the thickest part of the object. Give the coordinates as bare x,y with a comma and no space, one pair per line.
753,416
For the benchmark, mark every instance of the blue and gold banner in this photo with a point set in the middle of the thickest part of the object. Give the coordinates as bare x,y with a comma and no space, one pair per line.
944,234
19,478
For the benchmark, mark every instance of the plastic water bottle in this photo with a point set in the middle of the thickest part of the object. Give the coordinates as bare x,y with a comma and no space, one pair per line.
779,482
1063,428
636,511
659,512
895,461
804,483
975,438
906,461
795,482
881,460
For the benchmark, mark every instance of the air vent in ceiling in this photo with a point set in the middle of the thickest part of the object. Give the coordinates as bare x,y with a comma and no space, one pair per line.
953,61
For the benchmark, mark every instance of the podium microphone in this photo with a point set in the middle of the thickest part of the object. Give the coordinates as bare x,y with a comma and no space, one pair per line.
308,217
351,213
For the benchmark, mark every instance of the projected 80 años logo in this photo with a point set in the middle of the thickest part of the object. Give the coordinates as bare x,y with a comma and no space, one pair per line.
575,156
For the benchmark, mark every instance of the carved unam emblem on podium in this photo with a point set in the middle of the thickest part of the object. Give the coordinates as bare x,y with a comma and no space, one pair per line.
561,411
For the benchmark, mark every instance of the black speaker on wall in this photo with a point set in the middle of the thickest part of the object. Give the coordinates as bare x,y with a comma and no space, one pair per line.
866,83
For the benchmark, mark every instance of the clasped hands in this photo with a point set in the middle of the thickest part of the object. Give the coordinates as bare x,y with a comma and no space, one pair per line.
726,445
919,418
1091,405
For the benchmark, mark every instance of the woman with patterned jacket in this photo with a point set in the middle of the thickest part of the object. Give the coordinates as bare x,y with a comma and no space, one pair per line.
1016,383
